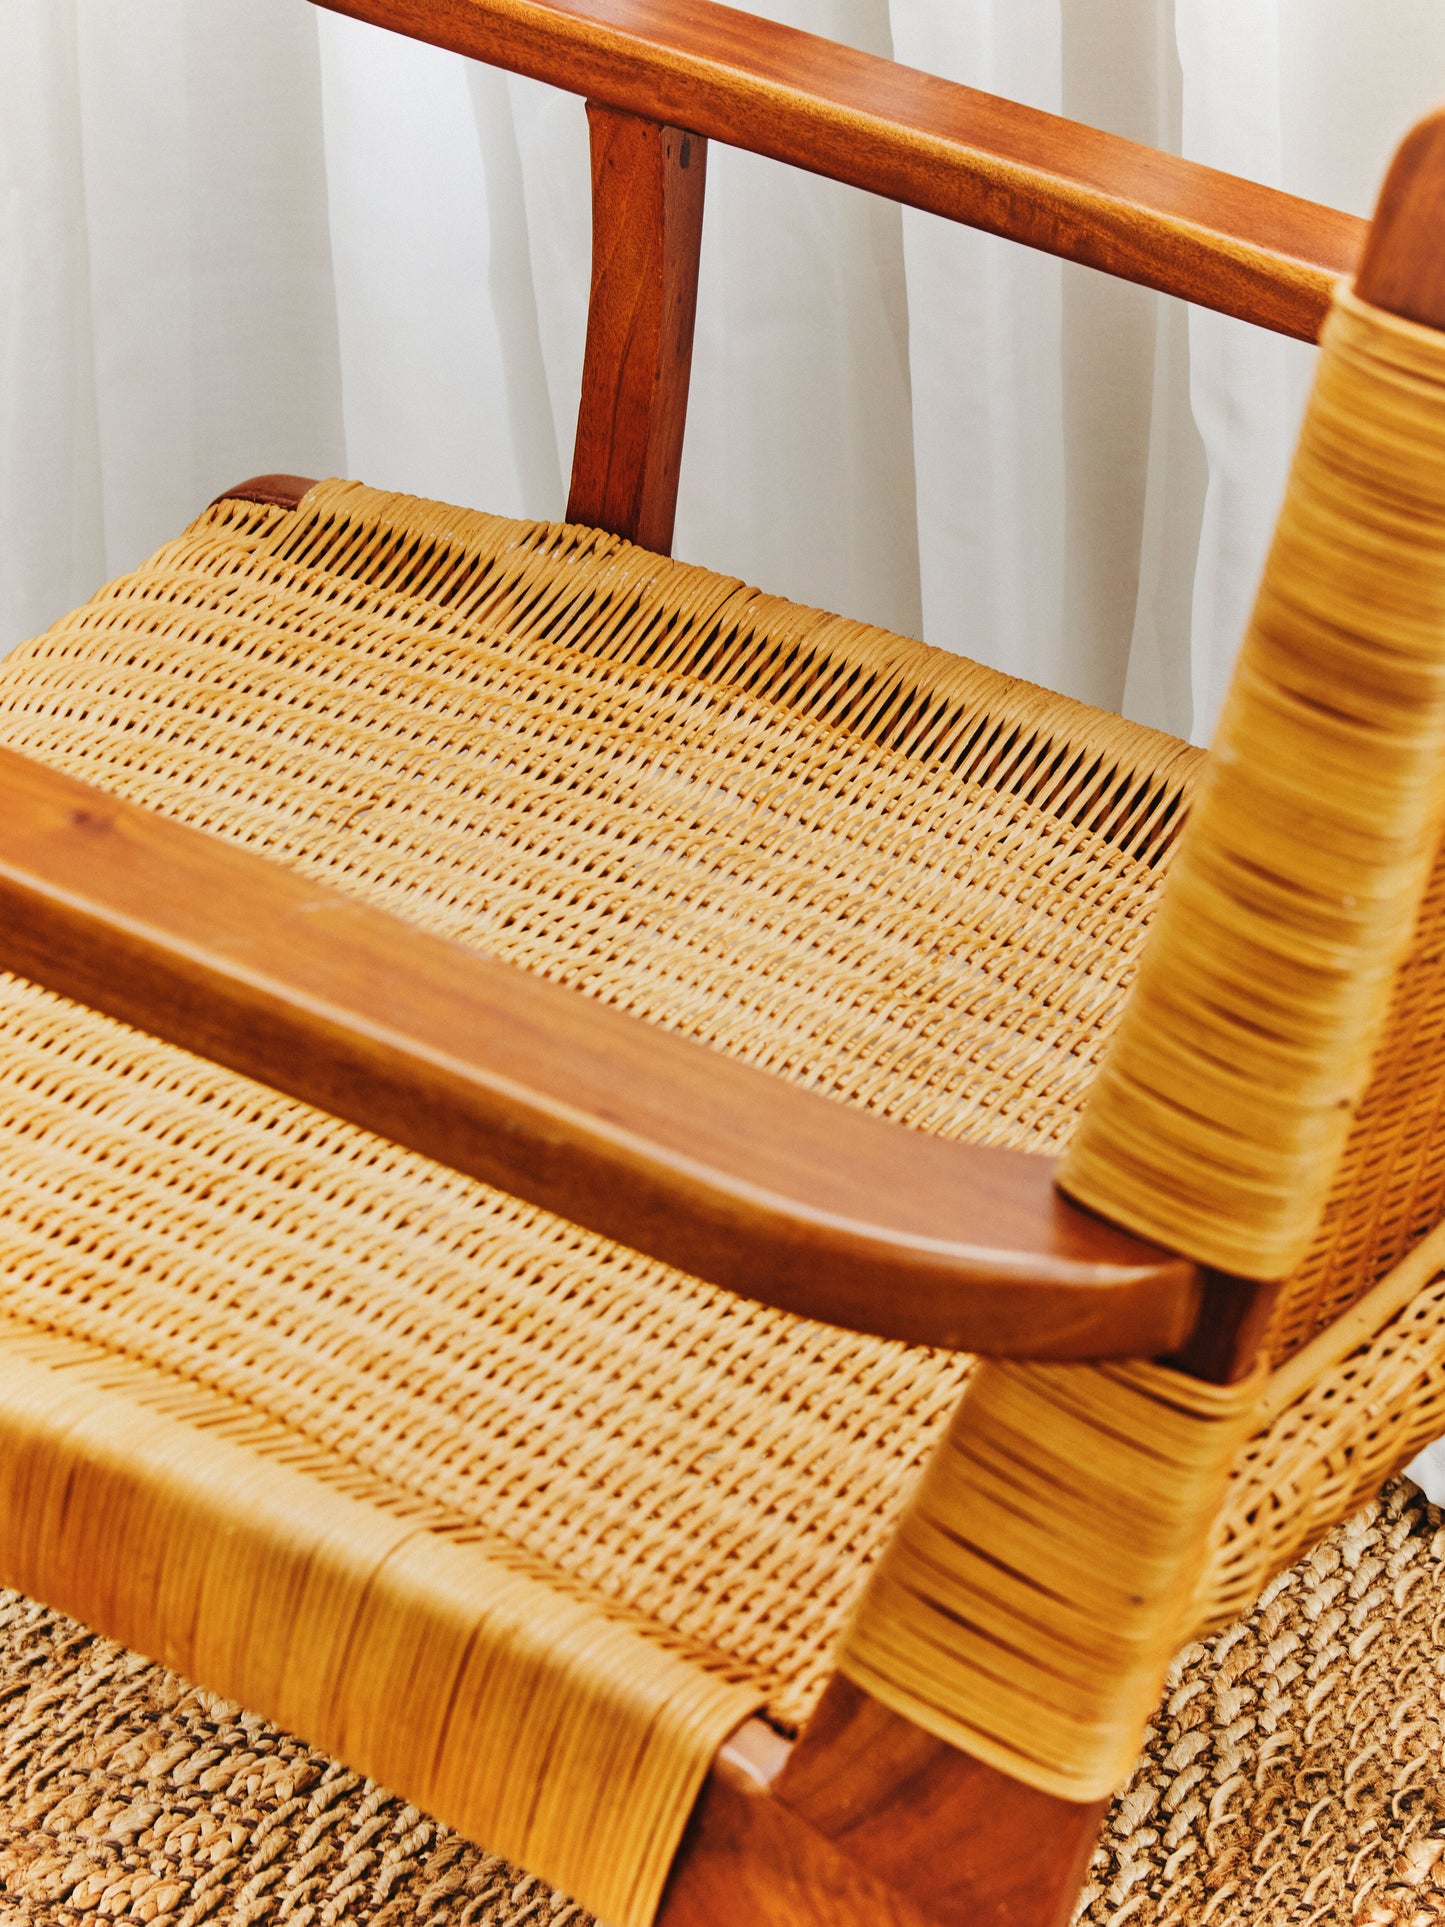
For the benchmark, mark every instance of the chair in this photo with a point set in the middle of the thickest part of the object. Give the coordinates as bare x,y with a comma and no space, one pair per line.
605,1208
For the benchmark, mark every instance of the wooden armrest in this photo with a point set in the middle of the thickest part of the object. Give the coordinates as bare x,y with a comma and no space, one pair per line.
670,1147
1188,230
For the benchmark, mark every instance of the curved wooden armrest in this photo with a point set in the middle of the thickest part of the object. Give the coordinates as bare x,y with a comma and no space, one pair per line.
659,1142
1210,237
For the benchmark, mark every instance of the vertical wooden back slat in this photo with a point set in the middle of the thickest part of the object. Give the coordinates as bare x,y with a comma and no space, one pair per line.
647,200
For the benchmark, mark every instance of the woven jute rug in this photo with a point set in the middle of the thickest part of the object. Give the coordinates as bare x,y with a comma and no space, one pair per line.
1295,1774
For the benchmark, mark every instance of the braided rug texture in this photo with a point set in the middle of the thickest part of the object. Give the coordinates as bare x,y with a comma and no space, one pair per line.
1294,1774
126,1793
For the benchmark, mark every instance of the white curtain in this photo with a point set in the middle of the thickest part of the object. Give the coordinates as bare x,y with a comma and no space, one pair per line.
239,235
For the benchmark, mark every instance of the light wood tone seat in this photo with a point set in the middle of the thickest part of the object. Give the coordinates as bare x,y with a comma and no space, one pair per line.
531,1067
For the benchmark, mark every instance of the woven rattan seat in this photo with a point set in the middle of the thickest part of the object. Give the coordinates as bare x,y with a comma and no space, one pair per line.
570,904
741,818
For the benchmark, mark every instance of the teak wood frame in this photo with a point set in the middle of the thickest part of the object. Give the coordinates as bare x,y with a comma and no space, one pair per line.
865,1819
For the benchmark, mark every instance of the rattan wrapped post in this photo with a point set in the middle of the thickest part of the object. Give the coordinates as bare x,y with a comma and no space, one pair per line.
1044,1575
1219,1119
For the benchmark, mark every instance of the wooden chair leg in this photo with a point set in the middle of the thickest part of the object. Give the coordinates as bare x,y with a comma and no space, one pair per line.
748,1860
965,1844
870,1822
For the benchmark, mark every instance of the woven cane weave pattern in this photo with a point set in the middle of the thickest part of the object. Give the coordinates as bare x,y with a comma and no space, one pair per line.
591,1406
932,914
1390,1187
1218,1121
1291,1777
443,1347
1036,1637
623,773
1333,1423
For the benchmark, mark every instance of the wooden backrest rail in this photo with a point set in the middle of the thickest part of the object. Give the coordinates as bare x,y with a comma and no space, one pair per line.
663,78
1071,190
1402,268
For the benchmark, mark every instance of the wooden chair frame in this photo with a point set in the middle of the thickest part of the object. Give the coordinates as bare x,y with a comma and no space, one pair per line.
626,1129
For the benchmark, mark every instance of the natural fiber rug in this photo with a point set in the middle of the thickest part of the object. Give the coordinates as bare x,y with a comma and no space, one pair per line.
1296,1774
1296,1770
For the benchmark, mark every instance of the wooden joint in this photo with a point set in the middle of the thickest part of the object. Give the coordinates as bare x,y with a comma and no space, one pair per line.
748,1859
1229,1331
648,183
868,1821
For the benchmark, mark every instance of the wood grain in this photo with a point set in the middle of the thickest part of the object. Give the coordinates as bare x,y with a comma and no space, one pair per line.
963,1843
670,1147
1113,204
1403,266
1230,1329
647,200
276,491
748,1860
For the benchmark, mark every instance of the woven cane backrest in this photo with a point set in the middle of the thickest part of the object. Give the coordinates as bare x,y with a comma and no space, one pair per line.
1389,1189
1237,1093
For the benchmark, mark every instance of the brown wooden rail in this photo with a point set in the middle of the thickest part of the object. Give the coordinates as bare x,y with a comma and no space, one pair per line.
657,1141
1188,230
647,197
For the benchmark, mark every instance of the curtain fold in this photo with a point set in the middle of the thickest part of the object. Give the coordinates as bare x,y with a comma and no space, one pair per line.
987,375
52,549
246,235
